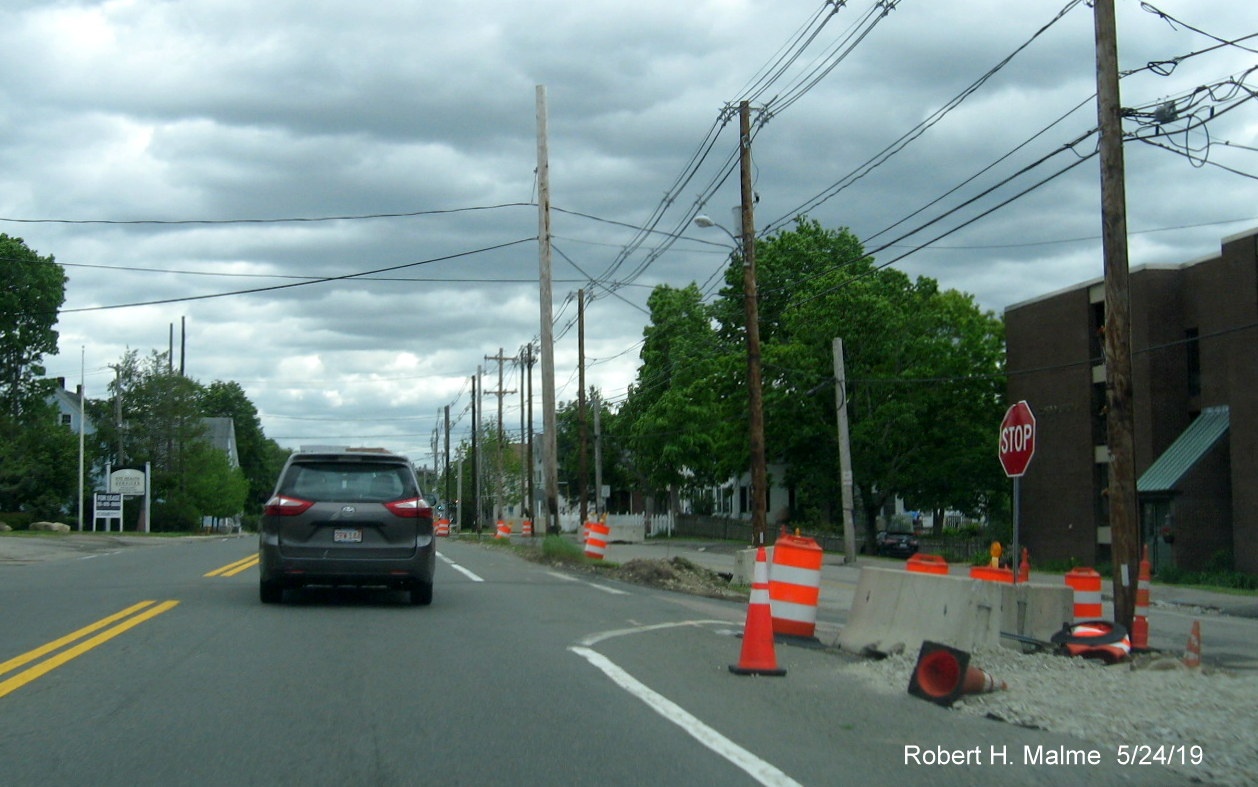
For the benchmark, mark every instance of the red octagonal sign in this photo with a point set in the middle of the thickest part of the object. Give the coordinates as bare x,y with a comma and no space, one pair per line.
1017,439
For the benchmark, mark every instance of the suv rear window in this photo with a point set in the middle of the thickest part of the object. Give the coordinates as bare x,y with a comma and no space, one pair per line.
348,482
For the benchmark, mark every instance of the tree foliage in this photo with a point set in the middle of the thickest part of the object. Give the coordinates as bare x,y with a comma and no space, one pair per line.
923,369
33,291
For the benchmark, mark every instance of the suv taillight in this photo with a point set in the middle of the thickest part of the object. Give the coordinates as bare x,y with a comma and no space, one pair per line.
285,506
414,508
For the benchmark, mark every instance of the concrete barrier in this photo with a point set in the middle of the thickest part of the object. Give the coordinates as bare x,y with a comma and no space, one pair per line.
1034,610
894,611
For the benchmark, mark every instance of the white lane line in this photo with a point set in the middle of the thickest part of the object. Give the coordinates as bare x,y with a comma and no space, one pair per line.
603,588
459,568
755,767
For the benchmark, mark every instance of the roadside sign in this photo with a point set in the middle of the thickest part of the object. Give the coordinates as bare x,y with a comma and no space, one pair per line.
127,482
108,506
1017,439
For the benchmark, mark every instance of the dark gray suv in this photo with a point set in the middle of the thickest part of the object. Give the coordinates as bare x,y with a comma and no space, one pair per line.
346,517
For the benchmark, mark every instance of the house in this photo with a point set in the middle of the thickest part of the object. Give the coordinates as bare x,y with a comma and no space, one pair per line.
69,406
1194,338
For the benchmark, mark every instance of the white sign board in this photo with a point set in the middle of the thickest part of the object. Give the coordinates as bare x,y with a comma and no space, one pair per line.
127,482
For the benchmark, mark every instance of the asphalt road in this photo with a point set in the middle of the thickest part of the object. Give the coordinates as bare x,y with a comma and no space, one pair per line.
517,674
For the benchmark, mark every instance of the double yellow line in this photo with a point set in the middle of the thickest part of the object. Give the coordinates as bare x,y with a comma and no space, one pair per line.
131,617
232,569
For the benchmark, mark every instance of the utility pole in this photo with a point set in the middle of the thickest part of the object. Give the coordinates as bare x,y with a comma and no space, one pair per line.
500,393
598,455
446,491
582,468
550,450
528,350
1123,508
845,454
755,402
475,453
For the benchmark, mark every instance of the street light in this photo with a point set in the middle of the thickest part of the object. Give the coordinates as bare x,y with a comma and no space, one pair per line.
755,400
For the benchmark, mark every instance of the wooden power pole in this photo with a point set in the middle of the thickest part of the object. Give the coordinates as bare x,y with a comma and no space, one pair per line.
550,450
582,459
1123,507
755,402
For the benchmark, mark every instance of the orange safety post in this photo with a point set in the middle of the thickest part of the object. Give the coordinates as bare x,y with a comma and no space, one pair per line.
1024,568
1087,586
927,564
795,585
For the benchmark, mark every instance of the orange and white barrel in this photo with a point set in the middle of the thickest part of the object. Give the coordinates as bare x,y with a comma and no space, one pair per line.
527,528
596,540
504,530
1087,586
794,585
443,528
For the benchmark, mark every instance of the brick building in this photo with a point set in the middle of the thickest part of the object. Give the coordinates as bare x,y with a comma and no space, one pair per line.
1194,338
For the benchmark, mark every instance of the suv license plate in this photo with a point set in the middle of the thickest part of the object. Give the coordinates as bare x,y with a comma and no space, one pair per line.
352,535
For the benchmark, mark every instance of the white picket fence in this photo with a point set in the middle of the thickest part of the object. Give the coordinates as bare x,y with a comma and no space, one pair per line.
629,528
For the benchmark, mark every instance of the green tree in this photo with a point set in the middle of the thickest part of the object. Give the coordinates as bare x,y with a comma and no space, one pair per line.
670,409
923,369
34,289
213,487
261,459
39,465
568,440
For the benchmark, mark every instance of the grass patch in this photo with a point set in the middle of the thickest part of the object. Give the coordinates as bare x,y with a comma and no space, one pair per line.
561,550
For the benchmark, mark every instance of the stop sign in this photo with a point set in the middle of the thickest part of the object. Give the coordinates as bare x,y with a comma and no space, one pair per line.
1017,439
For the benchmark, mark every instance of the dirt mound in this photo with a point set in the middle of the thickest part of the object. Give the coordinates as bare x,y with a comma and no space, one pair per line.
677,574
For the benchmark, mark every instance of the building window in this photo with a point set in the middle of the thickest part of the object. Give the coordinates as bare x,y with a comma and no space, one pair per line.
66,420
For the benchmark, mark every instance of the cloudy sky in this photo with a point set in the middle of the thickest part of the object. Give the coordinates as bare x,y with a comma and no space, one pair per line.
166,149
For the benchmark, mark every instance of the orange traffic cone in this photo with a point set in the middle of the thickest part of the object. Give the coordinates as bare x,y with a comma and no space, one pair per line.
944,673
1192,653
1140,622
757,657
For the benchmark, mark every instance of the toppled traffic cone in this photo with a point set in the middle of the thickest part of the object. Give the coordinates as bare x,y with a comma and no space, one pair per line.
944,673
1192,652
757,657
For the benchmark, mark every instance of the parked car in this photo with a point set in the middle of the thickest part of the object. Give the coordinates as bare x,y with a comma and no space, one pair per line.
896,544
344,517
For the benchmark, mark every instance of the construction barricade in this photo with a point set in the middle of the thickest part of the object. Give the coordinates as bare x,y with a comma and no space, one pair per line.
795,585
503,531
443,527
596,540
927,564
989,574
1086,584
527,528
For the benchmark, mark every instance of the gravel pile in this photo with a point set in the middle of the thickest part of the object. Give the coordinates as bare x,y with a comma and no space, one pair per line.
1160,701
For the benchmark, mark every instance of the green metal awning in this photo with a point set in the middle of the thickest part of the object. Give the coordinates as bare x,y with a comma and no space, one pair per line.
1200,436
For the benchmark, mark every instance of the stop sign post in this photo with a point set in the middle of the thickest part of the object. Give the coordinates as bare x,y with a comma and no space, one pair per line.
1016,447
